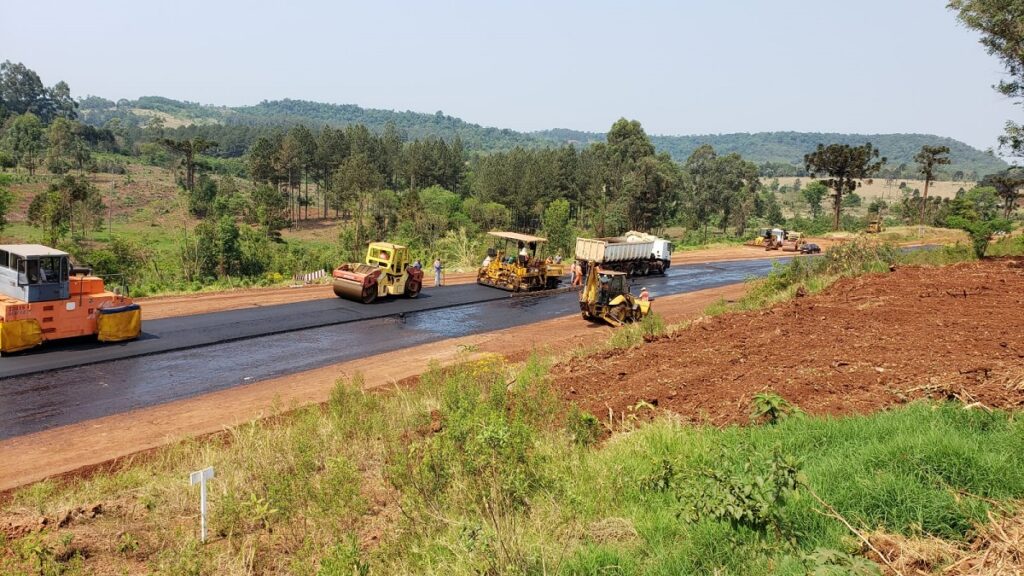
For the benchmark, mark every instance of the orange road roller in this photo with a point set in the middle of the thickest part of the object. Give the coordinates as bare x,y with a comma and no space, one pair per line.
43,297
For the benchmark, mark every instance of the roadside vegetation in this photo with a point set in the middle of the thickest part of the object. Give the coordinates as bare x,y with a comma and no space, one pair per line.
803,276
477,470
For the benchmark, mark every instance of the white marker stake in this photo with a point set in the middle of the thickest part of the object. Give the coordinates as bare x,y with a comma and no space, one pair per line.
200,478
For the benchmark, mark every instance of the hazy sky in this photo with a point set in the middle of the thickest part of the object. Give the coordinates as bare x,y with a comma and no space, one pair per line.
684,67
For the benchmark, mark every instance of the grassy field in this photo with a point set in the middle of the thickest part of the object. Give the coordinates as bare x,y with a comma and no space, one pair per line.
145,206
879,188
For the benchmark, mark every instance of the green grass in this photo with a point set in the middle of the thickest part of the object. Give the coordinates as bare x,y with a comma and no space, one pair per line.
1008,246
473,472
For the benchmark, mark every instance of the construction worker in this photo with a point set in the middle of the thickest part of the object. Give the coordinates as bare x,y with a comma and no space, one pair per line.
438,266
487,261
644,294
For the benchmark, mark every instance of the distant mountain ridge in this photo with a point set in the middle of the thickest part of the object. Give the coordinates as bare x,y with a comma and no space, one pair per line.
783,148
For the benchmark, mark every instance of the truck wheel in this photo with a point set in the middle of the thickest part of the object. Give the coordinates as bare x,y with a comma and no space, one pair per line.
412,288
369,293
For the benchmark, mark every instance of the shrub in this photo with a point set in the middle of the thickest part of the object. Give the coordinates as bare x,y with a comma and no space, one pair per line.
583,427
745,488
771,407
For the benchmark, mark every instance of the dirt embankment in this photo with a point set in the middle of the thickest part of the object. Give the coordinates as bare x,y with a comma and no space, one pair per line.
862,345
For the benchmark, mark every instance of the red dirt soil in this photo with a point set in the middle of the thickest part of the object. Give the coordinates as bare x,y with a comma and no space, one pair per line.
862,345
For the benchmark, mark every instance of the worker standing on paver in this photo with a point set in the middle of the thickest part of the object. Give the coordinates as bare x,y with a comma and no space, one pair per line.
644,294
437,271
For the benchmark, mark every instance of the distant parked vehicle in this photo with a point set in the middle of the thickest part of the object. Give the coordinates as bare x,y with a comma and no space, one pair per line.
810,248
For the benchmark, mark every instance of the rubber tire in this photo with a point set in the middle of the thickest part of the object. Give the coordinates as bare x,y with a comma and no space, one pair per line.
619,313
369,294
412,288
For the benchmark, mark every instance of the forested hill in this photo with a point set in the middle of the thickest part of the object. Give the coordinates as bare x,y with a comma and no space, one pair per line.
788,148
783,151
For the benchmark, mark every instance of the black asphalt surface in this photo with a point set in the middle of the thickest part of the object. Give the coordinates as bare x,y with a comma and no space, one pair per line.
192,355
185,332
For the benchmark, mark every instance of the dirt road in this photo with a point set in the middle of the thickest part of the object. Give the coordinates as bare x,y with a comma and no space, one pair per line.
91,443
862,345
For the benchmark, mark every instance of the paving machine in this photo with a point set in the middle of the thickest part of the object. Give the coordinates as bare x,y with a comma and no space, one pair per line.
515,264
606,298
43,297
387,271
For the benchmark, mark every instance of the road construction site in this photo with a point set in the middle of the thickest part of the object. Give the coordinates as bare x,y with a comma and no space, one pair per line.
183,357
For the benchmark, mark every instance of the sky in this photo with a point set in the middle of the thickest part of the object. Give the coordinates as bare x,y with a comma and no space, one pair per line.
684,67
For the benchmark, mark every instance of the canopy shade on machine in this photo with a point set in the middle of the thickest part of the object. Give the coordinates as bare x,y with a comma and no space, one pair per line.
517,236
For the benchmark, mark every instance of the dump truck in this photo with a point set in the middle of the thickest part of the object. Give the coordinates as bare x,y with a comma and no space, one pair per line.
386,271
43,297
635,253
606,298
516,263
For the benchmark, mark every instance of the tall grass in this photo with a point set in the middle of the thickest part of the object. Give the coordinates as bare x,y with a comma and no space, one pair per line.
1008,246
474,472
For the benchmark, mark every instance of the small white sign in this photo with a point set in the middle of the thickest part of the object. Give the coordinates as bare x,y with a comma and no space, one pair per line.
70,305
200,477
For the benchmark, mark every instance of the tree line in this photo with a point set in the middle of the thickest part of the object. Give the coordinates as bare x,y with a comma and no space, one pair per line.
428,192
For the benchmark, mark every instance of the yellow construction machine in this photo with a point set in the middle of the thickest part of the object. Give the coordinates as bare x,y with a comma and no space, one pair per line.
793,242
759,240
386,272
606,298
515,264
874,226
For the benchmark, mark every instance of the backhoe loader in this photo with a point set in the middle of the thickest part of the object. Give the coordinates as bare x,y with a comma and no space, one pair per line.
606,298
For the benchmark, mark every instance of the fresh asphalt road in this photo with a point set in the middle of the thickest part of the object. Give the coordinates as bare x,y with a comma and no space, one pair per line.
191,355
182,332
